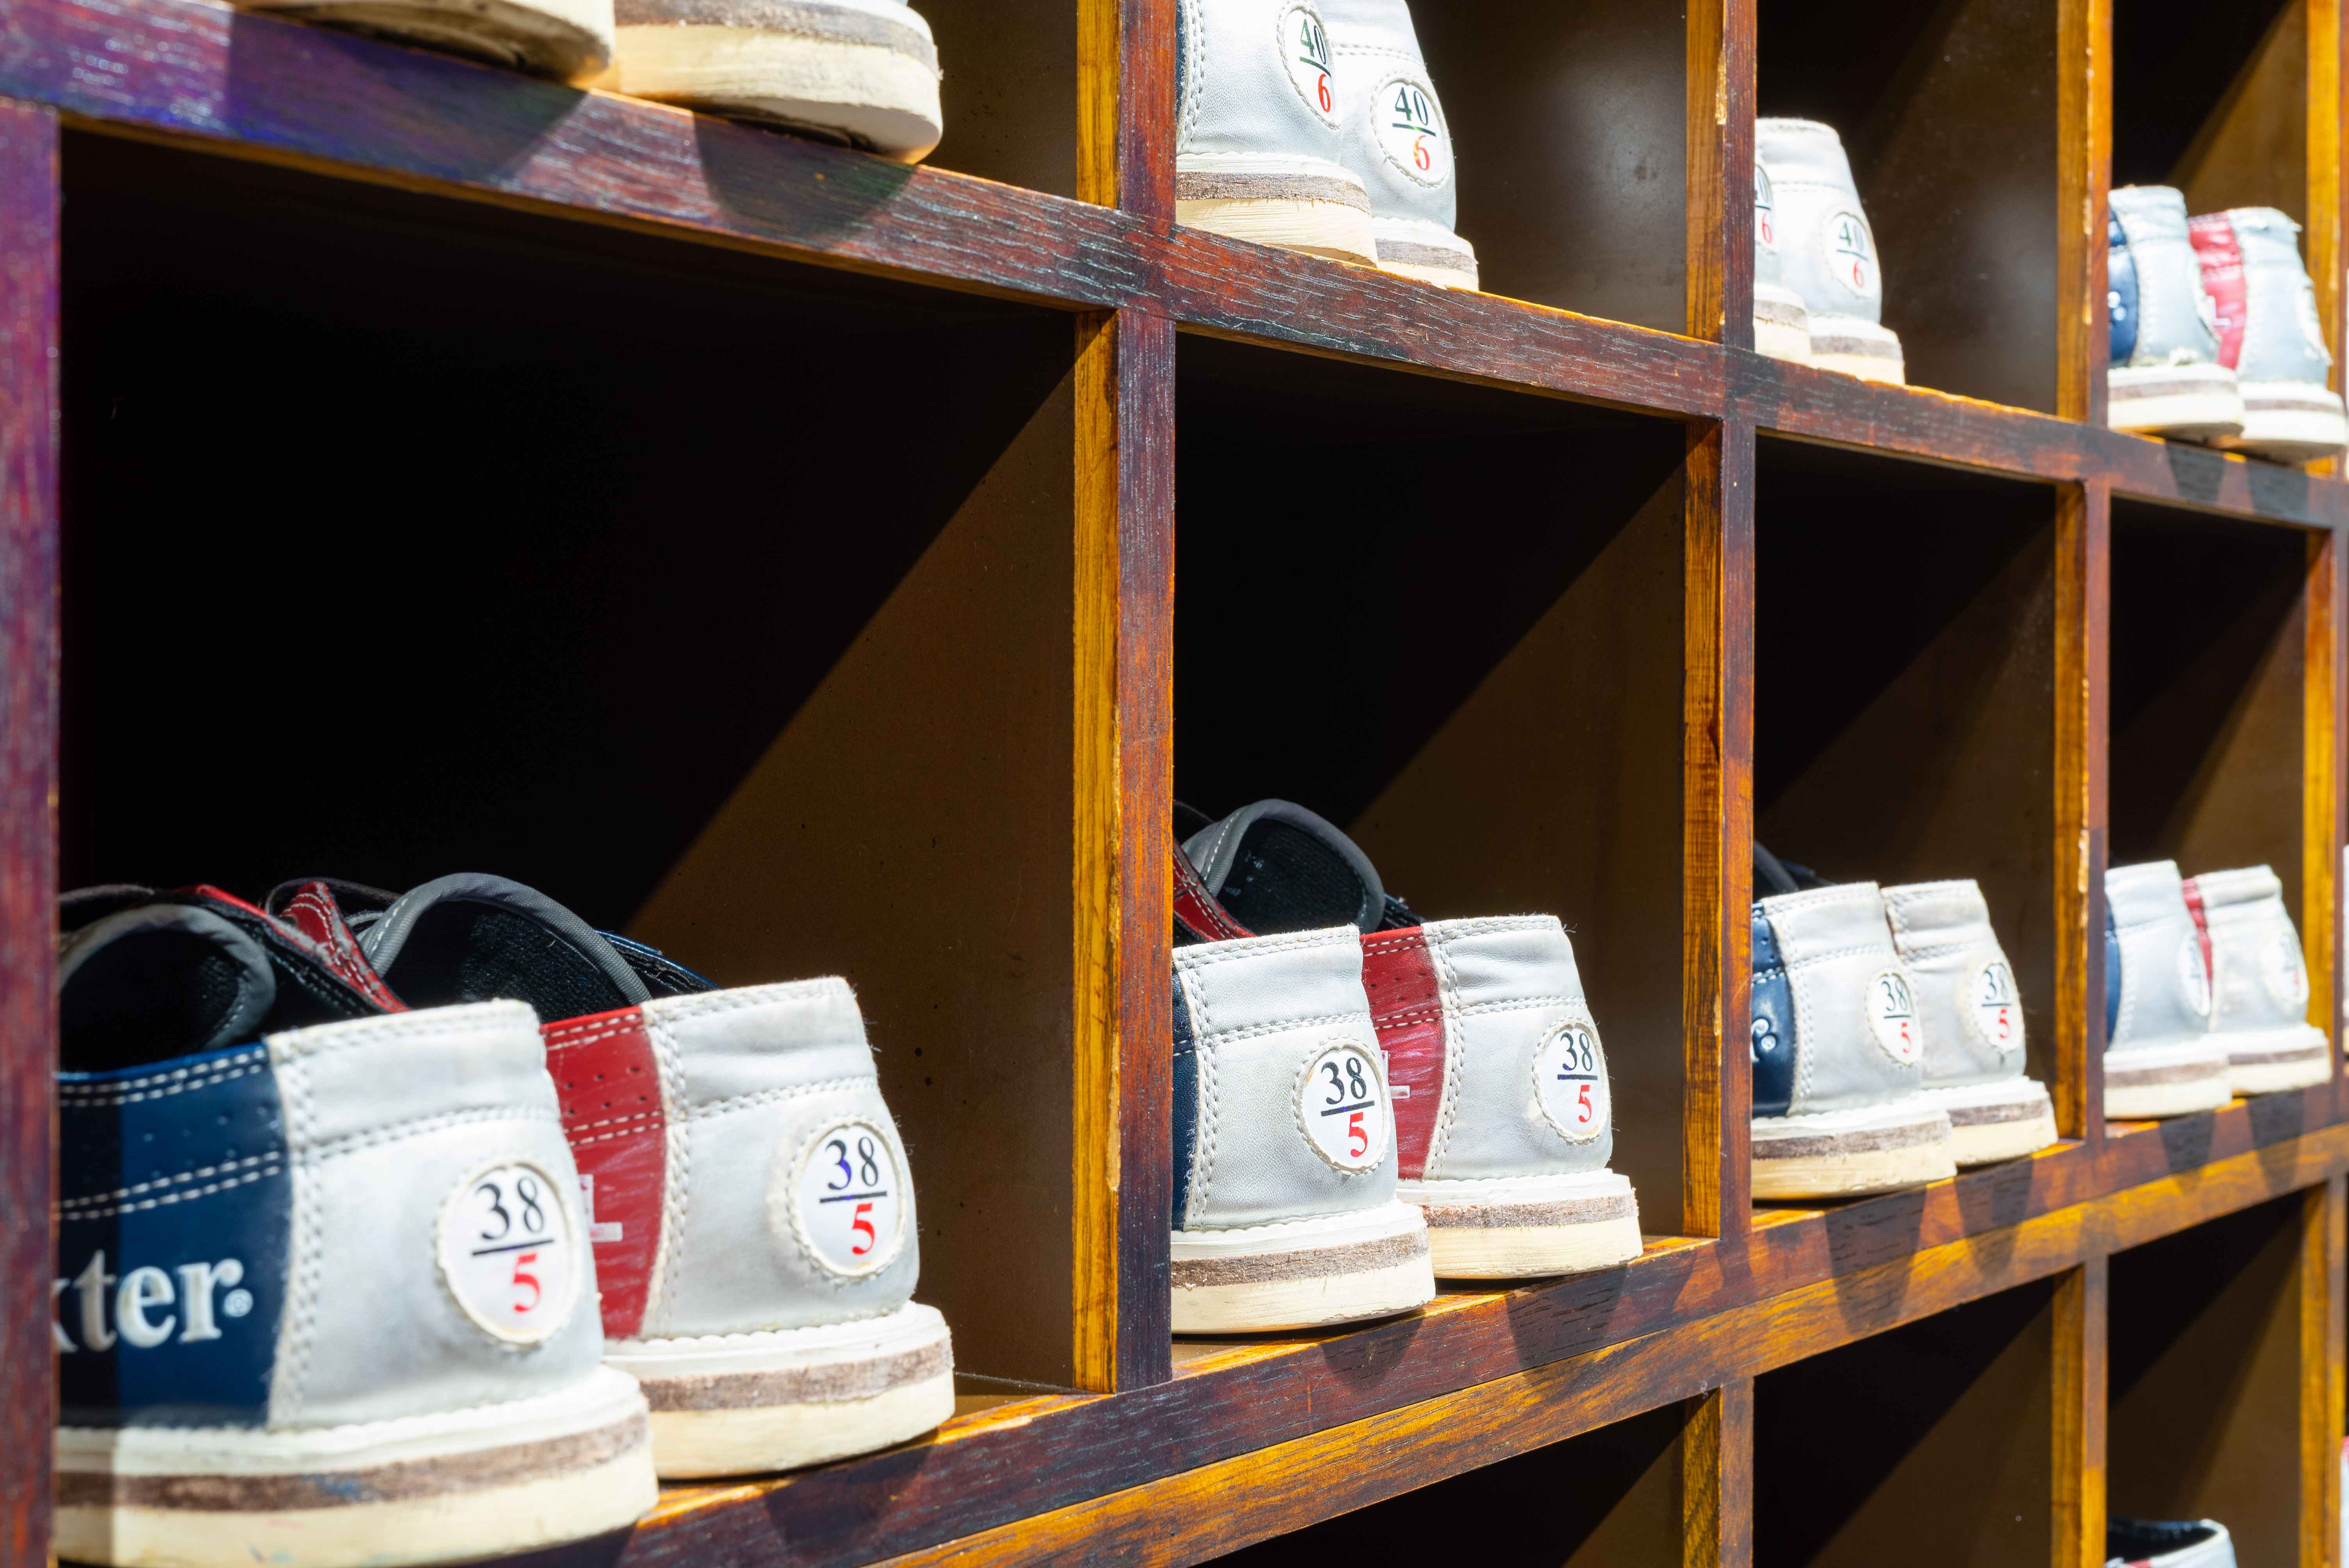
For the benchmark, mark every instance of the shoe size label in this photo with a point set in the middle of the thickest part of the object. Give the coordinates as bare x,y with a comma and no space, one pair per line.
2193,975
1570,1081
1994,1007
1850,250
2282,971
1765,228
1305,55
1409,126
1892,1016
509,1251
1342,1107
848,1199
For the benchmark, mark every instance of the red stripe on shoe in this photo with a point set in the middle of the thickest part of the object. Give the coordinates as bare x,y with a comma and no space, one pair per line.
2201,936
608,1082
1407,1010
1197,908
2213,236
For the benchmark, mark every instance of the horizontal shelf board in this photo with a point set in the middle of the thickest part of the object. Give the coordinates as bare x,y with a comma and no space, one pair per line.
193,71
1002,1466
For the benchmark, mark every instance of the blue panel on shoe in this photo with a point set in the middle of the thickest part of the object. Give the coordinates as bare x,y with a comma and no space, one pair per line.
171,1241
1774,1024
2120,291
2112,976
1185,1104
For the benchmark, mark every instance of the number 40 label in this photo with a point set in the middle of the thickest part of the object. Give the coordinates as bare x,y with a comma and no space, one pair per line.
849,1197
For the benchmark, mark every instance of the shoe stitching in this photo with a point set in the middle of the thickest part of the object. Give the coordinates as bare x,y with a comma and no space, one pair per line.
274,1168
676,1176
181,1080
200,1173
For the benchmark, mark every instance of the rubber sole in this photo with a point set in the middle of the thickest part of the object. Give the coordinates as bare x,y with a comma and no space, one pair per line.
2152,1082
842,75
2273,1060
2189,402
1782,326
1526,1227
1304,1273
482,1483
1848,1153
1857,347
1427,252
2289,422
1993,1122
743,1404
551,37
1295,204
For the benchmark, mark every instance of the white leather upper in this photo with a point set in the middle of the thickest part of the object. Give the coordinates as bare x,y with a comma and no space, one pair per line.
751,1078
2176,322
1966,997
388,1122
2162,1003
1240,104
2261,979
1836,943
1396,140
2283,337
1826,251
1506,983
1261,1009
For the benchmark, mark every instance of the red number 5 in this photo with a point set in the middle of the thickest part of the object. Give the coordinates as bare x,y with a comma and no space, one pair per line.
1584,1101
530,1280
859,1222
1358,1136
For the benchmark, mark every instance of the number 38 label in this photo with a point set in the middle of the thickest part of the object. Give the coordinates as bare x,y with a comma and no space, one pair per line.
1892,1016
1996,1012
509,1252
849,1199
1570,1081
1342,1105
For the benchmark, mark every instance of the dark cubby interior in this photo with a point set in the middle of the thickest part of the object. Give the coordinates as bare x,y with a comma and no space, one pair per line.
1948,112
2211,100
1903,685
389,524
2204,1381
1928,1444
1606,1499
2208,631
1571,139
1448,619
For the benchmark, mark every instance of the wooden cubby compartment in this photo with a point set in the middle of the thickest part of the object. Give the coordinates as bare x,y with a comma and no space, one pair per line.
2206,1369
2213,101
1928,1444
2208,654
1394,614
391,523
1904,648
1948,113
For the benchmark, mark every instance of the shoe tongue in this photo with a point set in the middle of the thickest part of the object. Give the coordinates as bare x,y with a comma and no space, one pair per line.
1276,867
473,937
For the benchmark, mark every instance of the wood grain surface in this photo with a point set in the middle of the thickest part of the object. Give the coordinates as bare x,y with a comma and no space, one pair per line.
2083,643
2078,1392
28,738
2319,1279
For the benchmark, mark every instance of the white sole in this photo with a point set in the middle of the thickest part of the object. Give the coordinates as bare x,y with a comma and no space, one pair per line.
480,1482
1302,1273
1857,347
546,37
2289,422
2270,1061
743,1404
1993,1122
1782,326
1525,1227
1848,1153
1428,251
1293,203
854,74
2190,402
2145,1082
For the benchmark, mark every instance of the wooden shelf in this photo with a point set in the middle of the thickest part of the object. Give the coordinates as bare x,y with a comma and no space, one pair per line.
2122,649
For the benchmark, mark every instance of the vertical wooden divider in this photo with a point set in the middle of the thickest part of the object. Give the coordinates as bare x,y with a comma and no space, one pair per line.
2320,1244
2321,816
2081,1375
2084,55
28,731
2322,241
2083,647
1124,628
